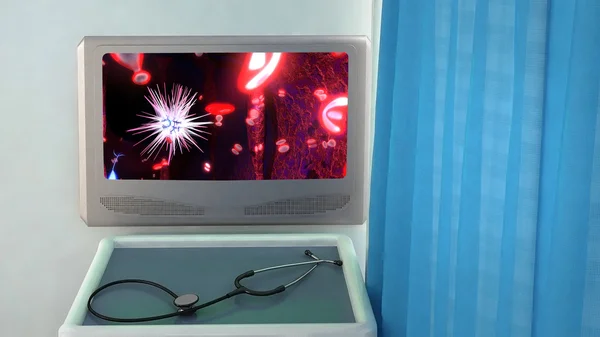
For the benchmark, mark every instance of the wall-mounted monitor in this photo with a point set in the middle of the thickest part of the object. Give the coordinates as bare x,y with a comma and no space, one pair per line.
223,130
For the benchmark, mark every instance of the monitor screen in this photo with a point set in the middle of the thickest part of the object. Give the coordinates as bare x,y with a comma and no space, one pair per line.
225,116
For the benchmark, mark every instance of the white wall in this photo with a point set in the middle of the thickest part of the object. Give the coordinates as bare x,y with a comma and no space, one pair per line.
45,248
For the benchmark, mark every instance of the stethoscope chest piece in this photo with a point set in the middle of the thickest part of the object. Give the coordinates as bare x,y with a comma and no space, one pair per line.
186,301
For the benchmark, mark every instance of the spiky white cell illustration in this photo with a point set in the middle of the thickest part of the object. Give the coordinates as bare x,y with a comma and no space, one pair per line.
171,126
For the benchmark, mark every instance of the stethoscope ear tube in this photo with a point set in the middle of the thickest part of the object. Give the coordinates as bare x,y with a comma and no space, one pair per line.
242,289
315,262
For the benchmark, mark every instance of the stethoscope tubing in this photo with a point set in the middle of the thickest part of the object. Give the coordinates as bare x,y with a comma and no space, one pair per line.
239,289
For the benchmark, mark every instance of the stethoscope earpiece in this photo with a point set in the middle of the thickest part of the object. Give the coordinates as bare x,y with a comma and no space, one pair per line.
309,253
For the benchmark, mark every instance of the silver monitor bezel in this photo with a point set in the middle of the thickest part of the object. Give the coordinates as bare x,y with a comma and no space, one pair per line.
223,200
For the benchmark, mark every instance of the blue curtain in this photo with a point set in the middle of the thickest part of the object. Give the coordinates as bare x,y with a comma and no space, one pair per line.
485,197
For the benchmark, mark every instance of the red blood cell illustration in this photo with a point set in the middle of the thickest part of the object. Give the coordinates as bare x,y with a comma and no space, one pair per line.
238,147
320,94
253,113
219,118
257,69
283,148
200,97
234,151
219,108
141,77
333,114
218,123
281,92
249,121
331,143
324,144
336,115
281,142
257,61
159,166
207,167
133,62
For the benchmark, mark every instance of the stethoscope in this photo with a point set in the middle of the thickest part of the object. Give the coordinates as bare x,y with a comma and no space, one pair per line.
186,304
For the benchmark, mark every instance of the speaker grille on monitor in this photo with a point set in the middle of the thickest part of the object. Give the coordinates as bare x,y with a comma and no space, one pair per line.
146,206
300,206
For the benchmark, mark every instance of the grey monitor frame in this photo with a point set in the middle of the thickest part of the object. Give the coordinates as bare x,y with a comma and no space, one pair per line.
308,202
